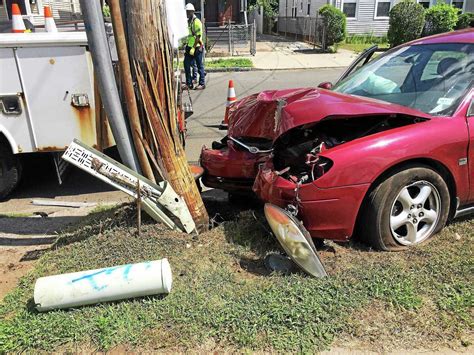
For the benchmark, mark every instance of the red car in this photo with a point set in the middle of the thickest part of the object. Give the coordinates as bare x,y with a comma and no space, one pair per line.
387,151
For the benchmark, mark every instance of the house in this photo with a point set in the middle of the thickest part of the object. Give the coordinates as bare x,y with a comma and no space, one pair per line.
220,12
363,16
63,10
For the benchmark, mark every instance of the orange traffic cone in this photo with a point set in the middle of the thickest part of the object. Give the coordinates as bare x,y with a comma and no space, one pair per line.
49,23
231,98
18,26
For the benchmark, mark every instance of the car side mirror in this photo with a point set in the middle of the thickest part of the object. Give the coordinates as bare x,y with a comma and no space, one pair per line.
326,85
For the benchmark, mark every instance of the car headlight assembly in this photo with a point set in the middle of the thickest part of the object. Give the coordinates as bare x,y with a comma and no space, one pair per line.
295,240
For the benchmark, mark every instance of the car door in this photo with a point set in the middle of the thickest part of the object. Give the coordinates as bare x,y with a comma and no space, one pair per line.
360,61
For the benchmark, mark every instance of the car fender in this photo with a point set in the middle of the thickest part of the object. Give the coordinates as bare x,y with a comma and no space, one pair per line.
364,160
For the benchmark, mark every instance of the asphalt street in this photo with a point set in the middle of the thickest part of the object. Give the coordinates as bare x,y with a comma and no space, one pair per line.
209,104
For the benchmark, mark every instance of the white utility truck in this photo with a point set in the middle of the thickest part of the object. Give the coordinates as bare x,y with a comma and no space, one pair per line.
46,99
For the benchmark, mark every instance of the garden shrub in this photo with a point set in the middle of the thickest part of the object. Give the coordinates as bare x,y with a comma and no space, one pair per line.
465,20
334,21
407,19
440,18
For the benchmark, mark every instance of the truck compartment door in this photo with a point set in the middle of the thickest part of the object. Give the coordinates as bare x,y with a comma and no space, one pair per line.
13,116
59,91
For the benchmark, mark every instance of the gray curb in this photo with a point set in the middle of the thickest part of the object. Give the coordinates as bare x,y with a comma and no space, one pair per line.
236,69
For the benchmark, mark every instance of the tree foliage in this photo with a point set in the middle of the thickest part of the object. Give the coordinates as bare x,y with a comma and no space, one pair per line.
440,18
270,7
407,19
334,22
465,20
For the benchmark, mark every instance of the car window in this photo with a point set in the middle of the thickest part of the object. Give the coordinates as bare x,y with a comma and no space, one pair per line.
432,78
431,69
359,62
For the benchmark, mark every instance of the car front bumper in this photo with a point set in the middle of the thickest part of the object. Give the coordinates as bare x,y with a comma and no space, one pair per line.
326,213
229,169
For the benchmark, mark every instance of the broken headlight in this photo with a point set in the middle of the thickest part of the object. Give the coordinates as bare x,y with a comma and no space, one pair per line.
294,239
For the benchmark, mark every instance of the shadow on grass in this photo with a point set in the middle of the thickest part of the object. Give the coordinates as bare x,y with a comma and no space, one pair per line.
31,305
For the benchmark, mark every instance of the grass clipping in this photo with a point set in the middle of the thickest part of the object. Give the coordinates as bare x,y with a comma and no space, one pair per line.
224,300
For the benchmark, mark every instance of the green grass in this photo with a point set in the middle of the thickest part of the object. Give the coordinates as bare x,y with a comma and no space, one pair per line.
358,43
102,208
229,63
226,63
223,300
14,215
358,47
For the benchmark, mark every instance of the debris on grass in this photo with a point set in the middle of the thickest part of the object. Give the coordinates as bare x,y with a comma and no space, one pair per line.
53,202
102,285
224,299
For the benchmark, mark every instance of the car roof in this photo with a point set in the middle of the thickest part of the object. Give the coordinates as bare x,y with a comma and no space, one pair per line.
462,36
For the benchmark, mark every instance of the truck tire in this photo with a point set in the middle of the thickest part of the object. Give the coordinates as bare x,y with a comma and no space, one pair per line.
10,172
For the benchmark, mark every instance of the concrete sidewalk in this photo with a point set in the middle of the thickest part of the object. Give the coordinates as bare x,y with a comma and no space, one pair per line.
303,59
288,60
278,53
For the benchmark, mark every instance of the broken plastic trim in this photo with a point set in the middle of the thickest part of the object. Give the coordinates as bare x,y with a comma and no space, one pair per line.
251,149
295,240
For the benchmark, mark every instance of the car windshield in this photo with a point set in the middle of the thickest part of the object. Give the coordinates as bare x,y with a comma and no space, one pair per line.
432,78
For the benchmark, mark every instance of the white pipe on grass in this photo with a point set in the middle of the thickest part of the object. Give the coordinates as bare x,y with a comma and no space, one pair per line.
102,285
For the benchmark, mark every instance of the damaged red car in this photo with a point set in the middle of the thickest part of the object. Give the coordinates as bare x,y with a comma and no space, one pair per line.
388,151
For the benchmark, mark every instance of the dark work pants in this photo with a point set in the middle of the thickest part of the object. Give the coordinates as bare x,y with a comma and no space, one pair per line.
189,61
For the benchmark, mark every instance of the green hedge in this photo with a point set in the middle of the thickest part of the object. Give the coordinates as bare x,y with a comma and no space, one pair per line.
440,18
334,22
465,20
407,19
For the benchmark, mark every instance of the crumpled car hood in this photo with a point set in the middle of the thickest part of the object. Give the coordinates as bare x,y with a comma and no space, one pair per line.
271,113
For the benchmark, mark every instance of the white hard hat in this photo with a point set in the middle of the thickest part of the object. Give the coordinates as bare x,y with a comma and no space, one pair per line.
190,7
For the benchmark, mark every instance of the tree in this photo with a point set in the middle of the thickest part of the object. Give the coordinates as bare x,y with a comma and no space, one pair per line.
270,7
334,22
465,20
440,18
406,22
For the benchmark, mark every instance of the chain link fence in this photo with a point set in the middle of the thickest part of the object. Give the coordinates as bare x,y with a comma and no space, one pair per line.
308,29
234,38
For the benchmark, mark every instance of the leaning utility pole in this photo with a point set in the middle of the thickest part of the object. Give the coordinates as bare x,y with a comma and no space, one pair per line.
152,56
127,84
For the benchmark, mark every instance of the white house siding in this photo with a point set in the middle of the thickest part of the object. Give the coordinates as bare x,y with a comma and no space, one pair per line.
365,23
470,6
63,10
285,7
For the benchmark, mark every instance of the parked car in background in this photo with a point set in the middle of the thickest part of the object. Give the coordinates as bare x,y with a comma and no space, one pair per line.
387,151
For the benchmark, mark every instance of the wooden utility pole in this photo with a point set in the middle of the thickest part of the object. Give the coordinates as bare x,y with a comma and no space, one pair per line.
152,55
127,84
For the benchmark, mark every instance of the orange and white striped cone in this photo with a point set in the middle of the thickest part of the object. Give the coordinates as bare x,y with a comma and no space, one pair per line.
49,23
231,98
18,26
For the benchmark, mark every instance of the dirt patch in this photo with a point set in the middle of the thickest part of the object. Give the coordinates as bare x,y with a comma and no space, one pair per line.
27,230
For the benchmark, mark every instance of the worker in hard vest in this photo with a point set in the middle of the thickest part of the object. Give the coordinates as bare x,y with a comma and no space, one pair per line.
194,51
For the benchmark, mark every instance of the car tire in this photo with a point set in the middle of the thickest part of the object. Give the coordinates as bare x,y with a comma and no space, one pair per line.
10,172
406,209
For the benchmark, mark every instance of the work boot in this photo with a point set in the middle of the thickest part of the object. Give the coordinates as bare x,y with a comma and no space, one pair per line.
200,87
187,87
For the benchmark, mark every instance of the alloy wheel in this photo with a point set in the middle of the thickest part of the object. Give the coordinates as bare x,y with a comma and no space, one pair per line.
415,213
